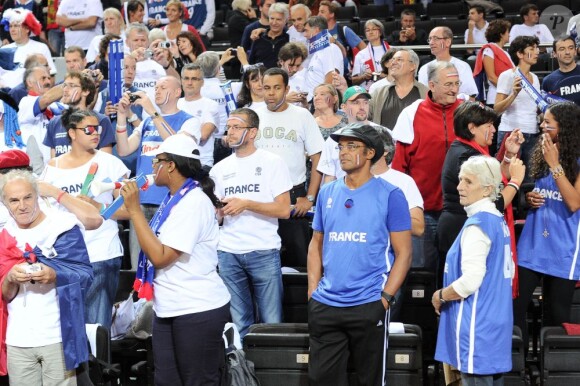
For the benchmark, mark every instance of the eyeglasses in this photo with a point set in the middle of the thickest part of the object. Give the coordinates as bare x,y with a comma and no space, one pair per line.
435,38
399,60
155,161
90,129
70,85
450,85
236,128
349,146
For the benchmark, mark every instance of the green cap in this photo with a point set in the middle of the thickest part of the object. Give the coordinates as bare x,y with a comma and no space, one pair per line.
354,92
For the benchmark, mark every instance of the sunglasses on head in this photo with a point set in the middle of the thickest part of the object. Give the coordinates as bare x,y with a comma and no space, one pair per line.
90,129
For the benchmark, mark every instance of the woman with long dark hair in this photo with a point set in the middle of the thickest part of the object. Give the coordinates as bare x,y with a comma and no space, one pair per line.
251,94
548,246
177,267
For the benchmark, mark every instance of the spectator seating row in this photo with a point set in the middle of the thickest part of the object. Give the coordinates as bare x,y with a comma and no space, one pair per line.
280,355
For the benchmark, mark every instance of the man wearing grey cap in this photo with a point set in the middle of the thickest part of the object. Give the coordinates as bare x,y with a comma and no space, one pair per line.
352,272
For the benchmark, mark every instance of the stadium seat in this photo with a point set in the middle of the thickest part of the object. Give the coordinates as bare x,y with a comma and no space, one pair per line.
366,12
221,39
345,13
357,27
543,4
458,26
560,356
516,376
575,314
295,303
219,18
453,10
417,7
280,353
512,7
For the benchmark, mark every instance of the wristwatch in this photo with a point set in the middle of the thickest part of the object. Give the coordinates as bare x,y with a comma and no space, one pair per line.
389,298
310,198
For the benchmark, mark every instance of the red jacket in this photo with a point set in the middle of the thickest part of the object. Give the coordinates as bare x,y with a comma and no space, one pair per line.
422,153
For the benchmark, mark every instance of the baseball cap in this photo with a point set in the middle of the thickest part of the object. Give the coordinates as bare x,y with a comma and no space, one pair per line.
364,132
355,91
14,159
179,144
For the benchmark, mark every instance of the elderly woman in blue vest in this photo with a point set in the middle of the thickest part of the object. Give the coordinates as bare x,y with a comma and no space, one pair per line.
475,303
548,246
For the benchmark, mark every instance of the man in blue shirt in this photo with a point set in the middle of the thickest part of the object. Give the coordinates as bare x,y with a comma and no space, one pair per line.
565,81
79,90
357,260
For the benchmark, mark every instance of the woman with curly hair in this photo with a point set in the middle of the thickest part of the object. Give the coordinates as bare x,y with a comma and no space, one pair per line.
548,246
251,94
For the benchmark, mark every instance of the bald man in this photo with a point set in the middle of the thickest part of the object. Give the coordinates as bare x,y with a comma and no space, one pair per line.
149,135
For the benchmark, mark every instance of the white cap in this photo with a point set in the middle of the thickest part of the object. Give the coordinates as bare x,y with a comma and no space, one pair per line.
179,144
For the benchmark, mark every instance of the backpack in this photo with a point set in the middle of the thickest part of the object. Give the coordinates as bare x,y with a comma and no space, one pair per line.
239,370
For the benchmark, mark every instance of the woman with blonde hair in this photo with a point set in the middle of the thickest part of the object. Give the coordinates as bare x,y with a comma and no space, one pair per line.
113,21
326,102
176,13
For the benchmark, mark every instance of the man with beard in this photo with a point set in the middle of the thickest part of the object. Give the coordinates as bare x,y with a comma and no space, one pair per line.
290,58
36,109
358,259
254,186
356,106
292,133
565,81
424,132
79,90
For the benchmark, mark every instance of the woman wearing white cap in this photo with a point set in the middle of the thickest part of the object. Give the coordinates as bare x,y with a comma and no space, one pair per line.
177,267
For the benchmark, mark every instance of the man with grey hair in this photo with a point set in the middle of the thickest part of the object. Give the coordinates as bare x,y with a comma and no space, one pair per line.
388,102
265,49
321,63
209,62
205,109
299,13
424,132
440,39
34,60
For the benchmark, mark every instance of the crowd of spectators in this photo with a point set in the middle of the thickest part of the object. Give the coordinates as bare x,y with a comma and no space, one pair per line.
306,156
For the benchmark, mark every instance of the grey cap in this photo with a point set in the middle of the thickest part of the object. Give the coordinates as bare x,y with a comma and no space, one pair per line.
364,132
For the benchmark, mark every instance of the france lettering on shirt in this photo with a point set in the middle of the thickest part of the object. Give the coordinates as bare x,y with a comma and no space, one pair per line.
359,237
278,133
572,89
73,188
551,194
253,188
62,149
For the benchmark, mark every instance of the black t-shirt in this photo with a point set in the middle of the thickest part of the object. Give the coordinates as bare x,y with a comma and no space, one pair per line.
394,105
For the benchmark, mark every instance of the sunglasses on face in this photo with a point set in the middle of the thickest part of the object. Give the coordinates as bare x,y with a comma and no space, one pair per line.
90,129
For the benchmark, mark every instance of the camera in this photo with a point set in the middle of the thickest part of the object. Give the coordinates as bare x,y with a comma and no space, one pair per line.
148,54
234,51
376,76
164,44
133,97
31,268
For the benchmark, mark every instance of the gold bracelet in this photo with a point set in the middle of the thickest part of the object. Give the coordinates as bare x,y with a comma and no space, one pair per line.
557,172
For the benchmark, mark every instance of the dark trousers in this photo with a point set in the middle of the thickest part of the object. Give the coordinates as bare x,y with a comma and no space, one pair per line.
188,350
557,292
295,234
336,332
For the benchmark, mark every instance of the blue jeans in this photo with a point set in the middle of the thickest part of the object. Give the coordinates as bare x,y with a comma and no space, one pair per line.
56,40
481,380
256,273
101,294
